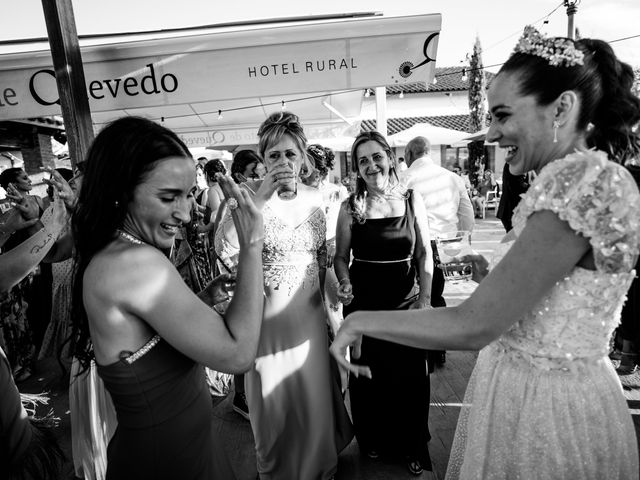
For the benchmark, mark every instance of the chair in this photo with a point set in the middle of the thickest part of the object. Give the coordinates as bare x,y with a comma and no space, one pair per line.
491,199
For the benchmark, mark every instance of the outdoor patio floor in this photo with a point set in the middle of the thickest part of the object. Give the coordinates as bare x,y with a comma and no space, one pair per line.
448,384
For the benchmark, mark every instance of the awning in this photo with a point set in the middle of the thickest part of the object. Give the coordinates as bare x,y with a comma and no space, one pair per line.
435,135
202,82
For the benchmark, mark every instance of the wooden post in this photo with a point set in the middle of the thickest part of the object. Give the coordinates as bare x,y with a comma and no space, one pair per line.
67,63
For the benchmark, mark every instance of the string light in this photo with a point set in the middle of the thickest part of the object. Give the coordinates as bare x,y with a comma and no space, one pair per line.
464,75
401,94
284,105
367,90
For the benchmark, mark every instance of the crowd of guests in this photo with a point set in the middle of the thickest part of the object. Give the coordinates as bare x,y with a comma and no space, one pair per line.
276,275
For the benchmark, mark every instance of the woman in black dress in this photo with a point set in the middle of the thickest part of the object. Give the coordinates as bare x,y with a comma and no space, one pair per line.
385,228
149,333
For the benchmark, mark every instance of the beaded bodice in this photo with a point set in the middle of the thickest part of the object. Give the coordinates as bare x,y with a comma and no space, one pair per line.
575,320
290,253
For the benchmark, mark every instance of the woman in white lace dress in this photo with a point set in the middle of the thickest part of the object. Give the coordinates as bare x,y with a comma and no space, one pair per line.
544,401
296,411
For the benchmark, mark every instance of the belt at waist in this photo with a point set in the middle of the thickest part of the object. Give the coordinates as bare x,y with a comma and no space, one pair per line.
402,260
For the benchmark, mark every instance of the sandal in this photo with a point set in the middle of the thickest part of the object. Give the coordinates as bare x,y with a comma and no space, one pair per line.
414,467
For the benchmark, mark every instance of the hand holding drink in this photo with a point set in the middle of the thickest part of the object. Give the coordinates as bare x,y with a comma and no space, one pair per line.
287,183
451,246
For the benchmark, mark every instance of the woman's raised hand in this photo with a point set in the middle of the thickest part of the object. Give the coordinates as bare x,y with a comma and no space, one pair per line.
278,175
25,204
62,188
246,217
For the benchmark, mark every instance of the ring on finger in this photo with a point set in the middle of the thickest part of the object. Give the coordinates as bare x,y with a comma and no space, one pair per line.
232,203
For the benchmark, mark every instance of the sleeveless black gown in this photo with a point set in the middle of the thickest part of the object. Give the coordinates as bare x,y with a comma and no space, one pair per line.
390,411
164,412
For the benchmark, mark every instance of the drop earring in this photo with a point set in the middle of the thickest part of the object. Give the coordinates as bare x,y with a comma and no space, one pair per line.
556,125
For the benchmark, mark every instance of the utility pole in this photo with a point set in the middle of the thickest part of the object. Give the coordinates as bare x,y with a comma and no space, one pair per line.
572,8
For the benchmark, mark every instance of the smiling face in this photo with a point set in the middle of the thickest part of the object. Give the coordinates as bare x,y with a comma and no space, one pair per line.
285,150
162,202
521,125
373,164
22,182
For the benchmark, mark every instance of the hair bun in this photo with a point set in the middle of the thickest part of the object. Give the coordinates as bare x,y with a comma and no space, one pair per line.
285,119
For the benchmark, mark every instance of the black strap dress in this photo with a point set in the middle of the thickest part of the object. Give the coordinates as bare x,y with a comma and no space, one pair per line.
390,411
163,406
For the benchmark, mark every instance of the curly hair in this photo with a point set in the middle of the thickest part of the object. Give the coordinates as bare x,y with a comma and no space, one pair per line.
212,167
322,159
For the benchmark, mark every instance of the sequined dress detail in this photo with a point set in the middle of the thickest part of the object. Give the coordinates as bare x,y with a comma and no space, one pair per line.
544,401
295,418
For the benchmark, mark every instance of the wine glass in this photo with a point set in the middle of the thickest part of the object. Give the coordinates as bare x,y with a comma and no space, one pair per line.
450,246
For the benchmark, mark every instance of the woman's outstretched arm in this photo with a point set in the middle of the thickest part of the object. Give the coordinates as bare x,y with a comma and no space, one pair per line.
546,251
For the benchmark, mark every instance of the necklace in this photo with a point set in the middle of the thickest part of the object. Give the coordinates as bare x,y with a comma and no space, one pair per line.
130,238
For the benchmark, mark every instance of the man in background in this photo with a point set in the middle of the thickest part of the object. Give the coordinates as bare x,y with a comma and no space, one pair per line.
447,204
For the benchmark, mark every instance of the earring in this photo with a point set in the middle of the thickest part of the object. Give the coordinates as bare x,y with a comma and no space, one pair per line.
556,125
116,204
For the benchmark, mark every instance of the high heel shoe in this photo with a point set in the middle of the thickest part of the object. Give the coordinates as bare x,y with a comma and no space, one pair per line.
628,363
415,467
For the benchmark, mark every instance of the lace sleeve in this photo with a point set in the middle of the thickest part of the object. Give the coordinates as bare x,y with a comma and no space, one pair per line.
597,198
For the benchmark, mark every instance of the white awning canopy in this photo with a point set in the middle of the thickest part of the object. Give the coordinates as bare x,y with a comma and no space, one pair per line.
213,85
435,135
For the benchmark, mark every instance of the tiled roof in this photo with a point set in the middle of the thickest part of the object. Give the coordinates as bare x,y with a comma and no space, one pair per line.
449,80
395,125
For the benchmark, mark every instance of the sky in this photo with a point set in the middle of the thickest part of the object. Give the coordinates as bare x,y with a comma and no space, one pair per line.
497,23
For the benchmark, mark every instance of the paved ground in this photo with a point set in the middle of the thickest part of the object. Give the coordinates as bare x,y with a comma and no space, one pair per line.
448,384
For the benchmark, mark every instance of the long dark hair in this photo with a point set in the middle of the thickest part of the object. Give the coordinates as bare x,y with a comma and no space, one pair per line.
119,159
357,200
603,84
241,159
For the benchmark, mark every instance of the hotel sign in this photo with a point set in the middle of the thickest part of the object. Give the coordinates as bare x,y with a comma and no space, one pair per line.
216,66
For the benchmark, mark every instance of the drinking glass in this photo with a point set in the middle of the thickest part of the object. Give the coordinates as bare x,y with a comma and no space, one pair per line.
289,191
451,246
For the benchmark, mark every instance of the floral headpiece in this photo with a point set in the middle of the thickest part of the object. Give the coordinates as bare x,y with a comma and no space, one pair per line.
558,52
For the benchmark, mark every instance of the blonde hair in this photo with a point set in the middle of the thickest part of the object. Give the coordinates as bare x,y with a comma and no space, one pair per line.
275,127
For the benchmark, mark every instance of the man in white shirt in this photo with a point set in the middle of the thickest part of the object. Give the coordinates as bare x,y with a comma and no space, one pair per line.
447,204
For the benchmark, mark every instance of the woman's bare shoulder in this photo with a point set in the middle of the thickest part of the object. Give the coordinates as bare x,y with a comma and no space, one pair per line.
121,270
